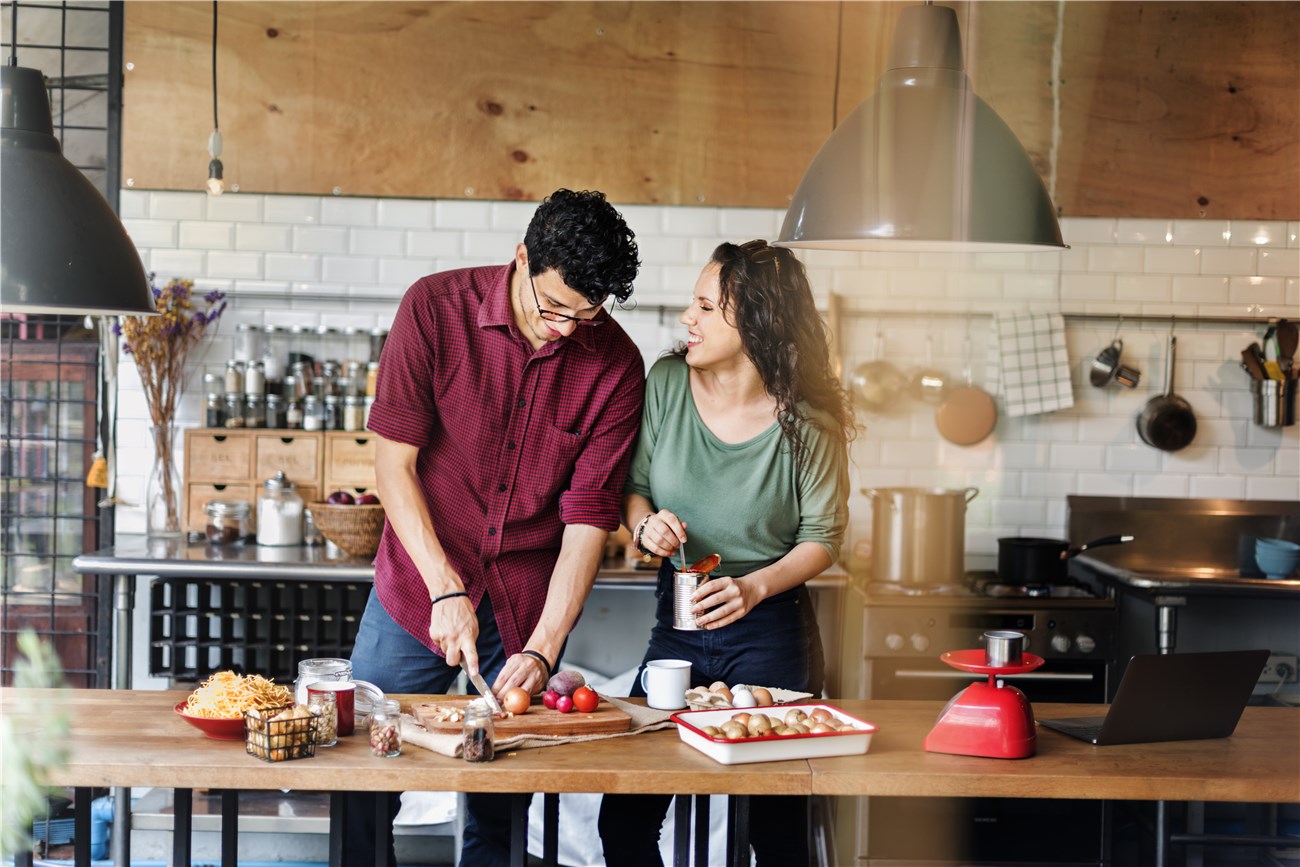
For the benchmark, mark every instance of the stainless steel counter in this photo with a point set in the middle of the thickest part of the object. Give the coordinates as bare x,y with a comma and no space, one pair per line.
176,558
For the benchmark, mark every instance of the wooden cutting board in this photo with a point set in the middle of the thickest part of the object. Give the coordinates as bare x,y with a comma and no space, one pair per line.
539,720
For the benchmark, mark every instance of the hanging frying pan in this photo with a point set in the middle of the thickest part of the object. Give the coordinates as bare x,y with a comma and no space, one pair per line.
967,414
1167,421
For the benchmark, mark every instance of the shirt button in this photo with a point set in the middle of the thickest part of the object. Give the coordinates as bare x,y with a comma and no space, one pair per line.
510,447
492,531
522,403
501,489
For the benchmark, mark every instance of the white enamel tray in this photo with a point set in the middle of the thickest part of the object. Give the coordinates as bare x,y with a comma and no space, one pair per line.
772,748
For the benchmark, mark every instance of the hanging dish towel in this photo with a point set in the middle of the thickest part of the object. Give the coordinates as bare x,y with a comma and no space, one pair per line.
1029,363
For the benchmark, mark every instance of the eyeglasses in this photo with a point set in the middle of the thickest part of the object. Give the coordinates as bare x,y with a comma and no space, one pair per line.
551,316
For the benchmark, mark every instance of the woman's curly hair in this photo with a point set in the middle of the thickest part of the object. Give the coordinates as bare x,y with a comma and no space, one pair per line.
765,294
586,241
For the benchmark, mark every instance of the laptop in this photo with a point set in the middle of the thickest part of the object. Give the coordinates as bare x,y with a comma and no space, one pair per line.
1173,697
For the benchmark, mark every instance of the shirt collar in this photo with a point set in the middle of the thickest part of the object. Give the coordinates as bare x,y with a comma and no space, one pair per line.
496,311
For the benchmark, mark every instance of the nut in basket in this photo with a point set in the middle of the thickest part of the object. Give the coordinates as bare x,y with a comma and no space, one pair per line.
353,528
277,734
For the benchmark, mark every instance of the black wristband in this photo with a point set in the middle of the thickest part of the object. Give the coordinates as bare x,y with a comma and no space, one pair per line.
438,599
542,659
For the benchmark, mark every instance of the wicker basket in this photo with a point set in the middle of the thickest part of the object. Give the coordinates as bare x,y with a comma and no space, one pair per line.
355,529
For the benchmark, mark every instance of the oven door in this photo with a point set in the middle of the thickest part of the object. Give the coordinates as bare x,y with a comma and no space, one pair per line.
983,831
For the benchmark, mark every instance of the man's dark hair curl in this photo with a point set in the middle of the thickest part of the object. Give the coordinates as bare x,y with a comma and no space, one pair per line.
586,241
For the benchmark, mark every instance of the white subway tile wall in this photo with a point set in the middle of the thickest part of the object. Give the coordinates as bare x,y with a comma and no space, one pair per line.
342,262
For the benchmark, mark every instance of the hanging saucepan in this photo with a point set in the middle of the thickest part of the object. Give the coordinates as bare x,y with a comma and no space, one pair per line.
1030,560
1167,421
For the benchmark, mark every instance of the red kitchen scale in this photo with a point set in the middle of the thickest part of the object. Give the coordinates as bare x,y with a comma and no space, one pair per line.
986,719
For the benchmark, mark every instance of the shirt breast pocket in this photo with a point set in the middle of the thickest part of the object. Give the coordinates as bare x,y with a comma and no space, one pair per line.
554,459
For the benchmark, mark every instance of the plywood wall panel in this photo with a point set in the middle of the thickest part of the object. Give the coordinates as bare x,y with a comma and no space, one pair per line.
1149,109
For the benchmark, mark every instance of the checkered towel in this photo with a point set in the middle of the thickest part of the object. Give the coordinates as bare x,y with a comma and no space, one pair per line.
1028,364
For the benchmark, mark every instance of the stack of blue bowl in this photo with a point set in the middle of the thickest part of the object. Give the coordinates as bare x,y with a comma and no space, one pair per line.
1277,558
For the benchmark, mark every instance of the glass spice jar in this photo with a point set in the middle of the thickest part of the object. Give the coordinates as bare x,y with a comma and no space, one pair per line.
234,376
353,413
214,410
325,708
386,728
372,378
254,410
229,521
478,732
275,411
293,414
234,409
255,378
333,413
313,413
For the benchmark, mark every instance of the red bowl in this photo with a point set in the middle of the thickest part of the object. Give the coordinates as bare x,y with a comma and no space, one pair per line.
219,729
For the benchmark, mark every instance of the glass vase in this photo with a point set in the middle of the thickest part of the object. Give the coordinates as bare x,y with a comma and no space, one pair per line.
162,497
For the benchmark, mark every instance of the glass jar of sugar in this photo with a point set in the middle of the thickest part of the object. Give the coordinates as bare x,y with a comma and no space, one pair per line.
279,512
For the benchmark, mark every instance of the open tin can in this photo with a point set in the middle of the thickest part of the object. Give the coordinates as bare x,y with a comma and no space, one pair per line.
684,586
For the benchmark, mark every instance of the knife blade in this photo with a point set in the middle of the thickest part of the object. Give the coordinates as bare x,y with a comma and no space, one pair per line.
481,685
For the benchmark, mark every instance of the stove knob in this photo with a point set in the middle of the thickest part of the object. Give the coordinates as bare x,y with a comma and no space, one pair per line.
1085,643
894,641
1060,643
920,642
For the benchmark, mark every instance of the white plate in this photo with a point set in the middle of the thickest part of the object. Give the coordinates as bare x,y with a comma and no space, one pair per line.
772,748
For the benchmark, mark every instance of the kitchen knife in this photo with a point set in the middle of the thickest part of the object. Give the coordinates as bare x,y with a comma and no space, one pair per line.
481,685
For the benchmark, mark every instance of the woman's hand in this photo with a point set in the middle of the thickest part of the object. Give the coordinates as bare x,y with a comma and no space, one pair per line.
663,533
723,600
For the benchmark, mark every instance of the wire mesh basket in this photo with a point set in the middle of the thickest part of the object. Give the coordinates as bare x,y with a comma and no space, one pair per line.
279,734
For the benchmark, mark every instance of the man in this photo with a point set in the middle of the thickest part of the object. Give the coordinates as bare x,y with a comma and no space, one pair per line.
507,405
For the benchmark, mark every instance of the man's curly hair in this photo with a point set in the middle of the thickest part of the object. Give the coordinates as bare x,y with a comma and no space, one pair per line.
586,241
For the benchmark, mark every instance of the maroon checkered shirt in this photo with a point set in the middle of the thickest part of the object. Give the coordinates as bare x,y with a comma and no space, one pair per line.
514,444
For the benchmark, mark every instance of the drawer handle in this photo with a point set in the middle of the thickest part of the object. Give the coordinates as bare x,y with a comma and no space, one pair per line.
361,441
287,440
221,438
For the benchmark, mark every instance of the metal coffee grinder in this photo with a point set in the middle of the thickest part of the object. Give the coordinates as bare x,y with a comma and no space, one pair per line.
990,719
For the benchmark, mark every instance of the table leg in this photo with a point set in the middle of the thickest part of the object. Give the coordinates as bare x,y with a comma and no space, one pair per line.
338,821
682,831
551,829
383,828
1162,834
81,826
182,824
701,830
519,830
738,830
120,843
230,826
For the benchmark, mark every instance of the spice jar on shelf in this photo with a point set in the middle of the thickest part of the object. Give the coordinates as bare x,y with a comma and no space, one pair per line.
386,728
478,732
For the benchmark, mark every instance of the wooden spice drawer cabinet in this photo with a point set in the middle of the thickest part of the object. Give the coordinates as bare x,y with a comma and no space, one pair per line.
223,464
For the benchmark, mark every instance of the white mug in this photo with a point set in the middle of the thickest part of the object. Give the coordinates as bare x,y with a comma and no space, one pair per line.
665,682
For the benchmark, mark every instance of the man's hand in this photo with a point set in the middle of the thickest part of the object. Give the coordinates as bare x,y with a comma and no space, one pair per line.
521,670
453,626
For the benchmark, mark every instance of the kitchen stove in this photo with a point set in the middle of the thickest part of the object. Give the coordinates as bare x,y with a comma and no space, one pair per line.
905,629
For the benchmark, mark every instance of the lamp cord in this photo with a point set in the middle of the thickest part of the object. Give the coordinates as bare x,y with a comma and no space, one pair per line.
13,34
214,65
839,50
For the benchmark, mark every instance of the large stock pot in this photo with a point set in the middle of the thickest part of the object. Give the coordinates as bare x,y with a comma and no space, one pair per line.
918,535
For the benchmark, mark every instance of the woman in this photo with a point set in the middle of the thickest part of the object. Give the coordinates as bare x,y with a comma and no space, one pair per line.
743,442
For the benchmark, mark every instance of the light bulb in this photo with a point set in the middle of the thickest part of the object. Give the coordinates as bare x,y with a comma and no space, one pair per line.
215,185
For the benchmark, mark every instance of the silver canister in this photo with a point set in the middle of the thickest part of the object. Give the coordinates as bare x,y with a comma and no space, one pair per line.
1003,649
684,586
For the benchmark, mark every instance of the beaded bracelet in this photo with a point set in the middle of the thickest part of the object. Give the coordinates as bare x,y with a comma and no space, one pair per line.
636,537
438,599
542,659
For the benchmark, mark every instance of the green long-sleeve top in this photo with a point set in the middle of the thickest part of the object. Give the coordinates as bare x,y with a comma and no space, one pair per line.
749,502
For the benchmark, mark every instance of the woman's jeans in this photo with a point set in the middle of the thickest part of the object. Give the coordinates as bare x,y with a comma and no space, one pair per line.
387,656
776,644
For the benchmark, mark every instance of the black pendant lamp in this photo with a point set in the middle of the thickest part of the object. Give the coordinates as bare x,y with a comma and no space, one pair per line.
62,248
923,163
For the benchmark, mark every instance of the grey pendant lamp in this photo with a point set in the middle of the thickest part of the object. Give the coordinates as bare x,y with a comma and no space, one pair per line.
924,163
62,249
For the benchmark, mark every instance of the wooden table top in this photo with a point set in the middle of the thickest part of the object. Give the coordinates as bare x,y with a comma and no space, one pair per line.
1259,763
133,738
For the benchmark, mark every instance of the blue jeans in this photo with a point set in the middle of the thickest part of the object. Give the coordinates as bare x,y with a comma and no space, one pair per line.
776,644
390,658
